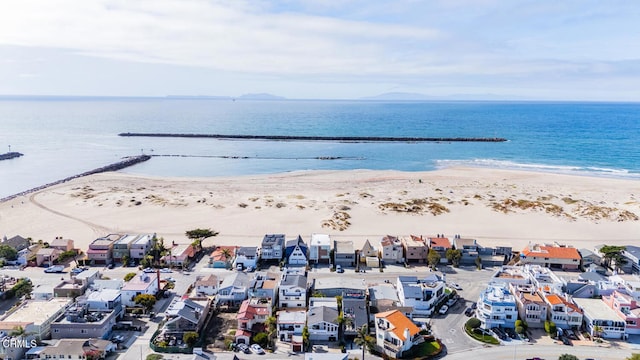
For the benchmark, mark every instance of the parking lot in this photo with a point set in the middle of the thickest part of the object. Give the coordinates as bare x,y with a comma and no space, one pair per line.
450,327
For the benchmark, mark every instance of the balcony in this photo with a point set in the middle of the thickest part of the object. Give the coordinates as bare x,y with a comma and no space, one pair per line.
391,347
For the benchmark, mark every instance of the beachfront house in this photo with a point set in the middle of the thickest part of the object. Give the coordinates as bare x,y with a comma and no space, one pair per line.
589,257
47,256
101,249
272,247
246,256
141,247
632,255
343,253
421,295
322,323
222,257
415,249
395,333
320,248
369,255
122,248
551,256
296,252
62,244
440,244
497,307
17,242
391,250
180,255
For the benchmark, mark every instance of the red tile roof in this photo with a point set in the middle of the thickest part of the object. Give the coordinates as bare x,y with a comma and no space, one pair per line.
440,241
555,252
399,323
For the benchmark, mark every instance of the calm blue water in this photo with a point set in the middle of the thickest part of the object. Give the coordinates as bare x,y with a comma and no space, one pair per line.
63,137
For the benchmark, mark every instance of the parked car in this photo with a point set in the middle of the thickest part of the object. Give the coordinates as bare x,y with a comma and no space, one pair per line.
54,269
165,270
111,266
339,269
117,339
170,279
244,348
149,270
443,310
451,302
77,271
257,349
469,311
455,286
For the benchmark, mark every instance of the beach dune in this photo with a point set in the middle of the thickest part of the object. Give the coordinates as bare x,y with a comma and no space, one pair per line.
496,207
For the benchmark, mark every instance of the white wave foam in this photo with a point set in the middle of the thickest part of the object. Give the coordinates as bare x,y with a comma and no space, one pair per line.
559,169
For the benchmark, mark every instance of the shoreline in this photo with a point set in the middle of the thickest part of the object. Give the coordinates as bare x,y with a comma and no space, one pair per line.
494,206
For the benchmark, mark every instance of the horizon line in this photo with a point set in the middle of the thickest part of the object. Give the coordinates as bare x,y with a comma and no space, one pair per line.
270,97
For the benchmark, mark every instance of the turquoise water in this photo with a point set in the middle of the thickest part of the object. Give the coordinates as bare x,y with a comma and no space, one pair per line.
63,137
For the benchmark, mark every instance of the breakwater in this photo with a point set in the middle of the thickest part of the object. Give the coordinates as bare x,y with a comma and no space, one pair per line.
10,155
126,162
321,138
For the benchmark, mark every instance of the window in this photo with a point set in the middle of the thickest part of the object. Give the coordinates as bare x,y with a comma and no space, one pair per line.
56,330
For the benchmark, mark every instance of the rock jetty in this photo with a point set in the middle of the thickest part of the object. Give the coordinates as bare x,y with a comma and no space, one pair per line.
10,155
126,162
321,138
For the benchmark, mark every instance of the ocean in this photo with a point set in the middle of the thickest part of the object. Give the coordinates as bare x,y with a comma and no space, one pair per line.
63,137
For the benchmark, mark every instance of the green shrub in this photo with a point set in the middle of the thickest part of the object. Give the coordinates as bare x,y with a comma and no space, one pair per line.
519,329
473,323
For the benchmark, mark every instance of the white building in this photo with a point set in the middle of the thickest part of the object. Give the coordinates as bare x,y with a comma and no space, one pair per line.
601,320
322,323
292,291
143,283
320,248
290,323
563,313
207,285
272,247
395,333
497,307
391,250
247,256
421,295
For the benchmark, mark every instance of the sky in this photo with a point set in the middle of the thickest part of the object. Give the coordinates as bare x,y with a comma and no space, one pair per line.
322,49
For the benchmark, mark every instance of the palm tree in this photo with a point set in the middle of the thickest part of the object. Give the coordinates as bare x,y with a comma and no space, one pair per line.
270,323
363,339
226,252
597,330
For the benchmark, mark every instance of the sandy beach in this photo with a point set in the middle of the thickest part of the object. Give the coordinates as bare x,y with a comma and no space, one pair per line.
496,207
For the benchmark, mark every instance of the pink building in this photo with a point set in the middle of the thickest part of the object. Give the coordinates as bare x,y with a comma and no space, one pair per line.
180,254
627,309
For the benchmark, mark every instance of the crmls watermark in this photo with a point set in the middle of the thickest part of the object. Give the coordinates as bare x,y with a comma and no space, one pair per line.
16,343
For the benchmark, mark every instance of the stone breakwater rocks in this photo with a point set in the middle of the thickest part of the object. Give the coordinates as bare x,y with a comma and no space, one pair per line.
10,155
322,138
126,162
